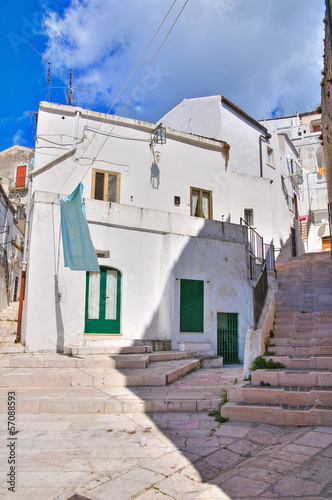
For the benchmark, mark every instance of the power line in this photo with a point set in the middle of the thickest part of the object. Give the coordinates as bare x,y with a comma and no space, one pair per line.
134,91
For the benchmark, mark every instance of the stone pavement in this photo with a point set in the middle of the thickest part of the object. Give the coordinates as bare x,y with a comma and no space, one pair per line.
181,456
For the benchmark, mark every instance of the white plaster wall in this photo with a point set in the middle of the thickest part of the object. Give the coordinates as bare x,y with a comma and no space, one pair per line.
157,249
210,117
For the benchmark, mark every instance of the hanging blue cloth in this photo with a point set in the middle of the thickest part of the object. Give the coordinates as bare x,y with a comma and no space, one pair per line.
78,250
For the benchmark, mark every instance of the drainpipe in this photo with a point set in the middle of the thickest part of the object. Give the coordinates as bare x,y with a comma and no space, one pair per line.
265,138
24,263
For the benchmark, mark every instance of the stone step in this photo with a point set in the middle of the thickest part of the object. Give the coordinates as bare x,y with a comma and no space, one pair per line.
86,400
94,350
291,377
297,332
305,362
156,374
10,348
40,360
200,390
300,341
293,396
277,414
302,351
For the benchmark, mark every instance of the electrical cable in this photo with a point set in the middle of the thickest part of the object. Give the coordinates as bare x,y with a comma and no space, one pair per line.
135,89
165,38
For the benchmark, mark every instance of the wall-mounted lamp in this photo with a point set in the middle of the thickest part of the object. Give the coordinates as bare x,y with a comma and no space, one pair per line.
158,135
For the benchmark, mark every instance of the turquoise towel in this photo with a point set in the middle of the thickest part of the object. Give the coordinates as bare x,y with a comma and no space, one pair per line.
78,250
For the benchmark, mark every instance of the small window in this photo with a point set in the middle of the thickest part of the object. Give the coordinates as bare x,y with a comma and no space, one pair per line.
105,186
249,216
201,203
21,171
269,156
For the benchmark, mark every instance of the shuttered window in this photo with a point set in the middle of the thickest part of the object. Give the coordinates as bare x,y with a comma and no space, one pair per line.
21,171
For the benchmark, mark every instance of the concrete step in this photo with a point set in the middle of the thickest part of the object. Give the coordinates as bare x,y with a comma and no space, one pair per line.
291,377
94,350
293,396
200,390
292,332
10,348
277,414
40,360
297,340
156,374
305,362
302,351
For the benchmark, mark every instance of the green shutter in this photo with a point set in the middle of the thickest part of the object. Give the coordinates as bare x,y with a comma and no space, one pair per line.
192,306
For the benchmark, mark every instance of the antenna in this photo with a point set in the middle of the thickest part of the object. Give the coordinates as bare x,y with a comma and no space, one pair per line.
48,71
70,93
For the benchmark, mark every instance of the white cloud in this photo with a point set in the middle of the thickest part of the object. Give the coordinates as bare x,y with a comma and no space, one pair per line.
19,137
263,57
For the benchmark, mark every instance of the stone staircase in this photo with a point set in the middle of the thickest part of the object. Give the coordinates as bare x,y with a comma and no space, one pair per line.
8,329
301,392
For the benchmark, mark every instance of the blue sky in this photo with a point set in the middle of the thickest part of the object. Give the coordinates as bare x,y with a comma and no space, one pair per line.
266,56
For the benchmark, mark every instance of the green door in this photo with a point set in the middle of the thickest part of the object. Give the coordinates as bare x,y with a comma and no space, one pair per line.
192,306
103,301
227,338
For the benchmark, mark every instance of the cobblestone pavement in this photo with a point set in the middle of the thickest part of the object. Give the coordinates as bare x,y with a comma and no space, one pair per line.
181,456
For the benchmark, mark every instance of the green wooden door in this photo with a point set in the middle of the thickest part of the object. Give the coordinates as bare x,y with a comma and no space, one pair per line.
192,306
103,301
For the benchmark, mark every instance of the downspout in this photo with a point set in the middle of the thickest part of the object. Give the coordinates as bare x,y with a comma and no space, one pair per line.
265,138
25,253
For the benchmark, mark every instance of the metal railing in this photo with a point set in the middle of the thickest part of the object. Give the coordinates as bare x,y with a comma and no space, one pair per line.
260,259
260,292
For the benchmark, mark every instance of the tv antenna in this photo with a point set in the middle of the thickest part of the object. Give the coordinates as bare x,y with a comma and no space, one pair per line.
48,71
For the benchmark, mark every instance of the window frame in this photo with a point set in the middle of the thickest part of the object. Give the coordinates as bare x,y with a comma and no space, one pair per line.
200,204
106,173
268,151
251,211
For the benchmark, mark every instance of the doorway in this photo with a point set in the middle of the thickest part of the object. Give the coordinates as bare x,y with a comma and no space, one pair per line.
103,301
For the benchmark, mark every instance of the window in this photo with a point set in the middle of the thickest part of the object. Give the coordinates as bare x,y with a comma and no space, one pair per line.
249,216
269,156
21,171
105,186
201,203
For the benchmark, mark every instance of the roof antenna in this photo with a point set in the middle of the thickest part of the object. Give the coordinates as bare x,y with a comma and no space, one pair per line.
70,93
48,71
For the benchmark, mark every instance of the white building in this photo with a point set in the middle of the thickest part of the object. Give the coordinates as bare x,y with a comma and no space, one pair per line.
11,252
305,132
164,219
262,187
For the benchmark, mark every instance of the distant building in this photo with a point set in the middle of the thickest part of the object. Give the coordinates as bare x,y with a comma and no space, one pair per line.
305,133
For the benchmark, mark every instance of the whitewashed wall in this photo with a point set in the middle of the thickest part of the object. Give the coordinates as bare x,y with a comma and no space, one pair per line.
153,250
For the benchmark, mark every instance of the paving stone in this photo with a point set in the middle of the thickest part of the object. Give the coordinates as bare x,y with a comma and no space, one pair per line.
168,464
177,485
305,450
316,439
132,483
242,447
200,471
223,459
296,487
231,430
266,476
246,486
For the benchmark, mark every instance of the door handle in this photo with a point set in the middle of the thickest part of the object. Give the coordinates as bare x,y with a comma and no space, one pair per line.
106,298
